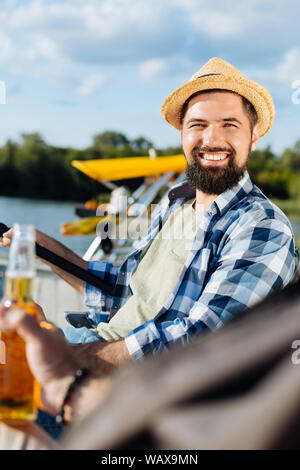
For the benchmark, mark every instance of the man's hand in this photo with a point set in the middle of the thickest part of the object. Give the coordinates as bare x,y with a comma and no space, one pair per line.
5,240
49,356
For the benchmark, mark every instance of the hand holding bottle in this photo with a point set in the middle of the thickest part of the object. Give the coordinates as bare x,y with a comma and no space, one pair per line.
49,356
19,392
6,239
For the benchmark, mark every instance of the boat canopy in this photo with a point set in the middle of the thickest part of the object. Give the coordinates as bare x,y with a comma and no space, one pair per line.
133,167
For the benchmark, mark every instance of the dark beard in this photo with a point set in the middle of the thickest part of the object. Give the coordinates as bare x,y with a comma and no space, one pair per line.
214,180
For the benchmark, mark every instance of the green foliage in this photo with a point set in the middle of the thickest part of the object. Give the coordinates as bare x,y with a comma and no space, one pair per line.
32,168
294,184
289,206
140,144
110,139
273,183
272,174
170,151
291,157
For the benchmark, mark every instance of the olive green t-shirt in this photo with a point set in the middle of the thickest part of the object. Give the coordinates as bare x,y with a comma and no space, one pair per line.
156,274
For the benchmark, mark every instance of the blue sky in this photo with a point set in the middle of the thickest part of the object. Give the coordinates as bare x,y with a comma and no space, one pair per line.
74,68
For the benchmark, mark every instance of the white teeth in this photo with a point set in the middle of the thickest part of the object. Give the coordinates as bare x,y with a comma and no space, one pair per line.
212,156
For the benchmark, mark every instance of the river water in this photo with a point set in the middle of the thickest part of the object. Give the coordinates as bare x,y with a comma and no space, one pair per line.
48,215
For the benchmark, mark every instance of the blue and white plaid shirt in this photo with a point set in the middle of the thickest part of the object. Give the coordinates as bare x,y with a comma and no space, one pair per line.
243,250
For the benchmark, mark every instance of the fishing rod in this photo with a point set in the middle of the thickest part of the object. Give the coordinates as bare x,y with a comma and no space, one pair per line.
68,266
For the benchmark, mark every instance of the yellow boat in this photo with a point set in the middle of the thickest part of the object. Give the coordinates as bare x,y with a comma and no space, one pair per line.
85,226
133,167
106,170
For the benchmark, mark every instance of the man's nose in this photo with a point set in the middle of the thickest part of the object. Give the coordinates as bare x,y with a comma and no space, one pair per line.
211,137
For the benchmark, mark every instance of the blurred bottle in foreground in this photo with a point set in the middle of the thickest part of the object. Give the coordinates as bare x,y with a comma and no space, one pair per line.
19,392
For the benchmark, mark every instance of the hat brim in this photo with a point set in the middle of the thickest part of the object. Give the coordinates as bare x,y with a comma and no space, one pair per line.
252,91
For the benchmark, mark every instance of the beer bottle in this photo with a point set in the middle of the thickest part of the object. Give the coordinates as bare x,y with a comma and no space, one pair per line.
18,388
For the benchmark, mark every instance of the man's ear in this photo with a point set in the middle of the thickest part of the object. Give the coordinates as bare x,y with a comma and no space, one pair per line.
255,137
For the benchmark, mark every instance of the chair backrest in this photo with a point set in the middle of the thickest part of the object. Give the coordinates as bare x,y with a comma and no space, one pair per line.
235,389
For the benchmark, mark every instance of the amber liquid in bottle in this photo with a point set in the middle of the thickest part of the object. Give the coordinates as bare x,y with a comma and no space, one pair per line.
19,391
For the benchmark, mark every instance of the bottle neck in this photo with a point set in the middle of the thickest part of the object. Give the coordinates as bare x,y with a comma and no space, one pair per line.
20,271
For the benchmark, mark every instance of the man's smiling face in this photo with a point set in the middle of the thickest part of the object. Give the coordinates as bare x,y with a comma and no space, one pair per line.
217,140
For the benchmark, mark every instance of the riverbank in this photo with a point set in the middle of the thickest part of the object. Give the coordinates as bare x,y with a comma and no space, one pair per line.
46,216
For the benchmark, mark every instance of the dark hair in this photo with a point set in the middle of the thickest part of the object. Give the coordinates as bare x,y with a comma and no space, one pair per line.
248,107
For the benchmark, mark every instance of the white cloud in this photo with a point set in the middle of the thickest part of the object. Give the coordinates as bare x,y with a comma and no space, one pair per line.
212,19
6,49
114,31
38,36
47,47
90,85
289,69
152,69
97,32
218,25
217,19
251,30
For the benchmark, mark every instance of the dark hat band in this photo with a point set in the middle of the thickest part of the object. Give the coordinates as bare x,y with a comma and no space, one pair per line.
209,74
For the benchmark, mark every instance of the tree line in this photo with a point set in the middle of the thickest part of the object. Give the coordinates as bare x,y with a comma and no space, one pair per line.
33,168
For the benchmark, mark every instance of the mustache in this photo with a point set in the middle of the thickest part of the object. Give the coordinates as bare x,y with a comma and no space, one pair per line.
199,149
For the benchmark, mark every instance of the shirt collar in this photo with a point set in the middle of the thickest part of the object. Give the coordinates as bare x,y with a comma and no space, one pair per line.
223,201
181,191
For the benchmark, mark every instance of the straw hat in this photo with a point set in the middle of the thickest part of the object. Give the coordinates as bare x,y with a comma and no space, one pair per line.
217,73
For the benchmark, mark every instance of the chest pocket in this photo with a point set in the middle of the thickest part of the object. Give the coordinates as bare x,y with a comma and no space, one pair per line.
182,250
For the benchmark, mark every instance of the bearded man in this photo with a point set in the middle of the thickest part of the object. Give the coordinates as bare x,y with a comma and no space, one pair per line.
216,247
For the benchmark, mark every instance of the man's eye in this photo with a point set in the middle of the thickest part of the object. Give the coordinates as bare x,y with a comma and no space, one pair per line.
198,124
229,124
